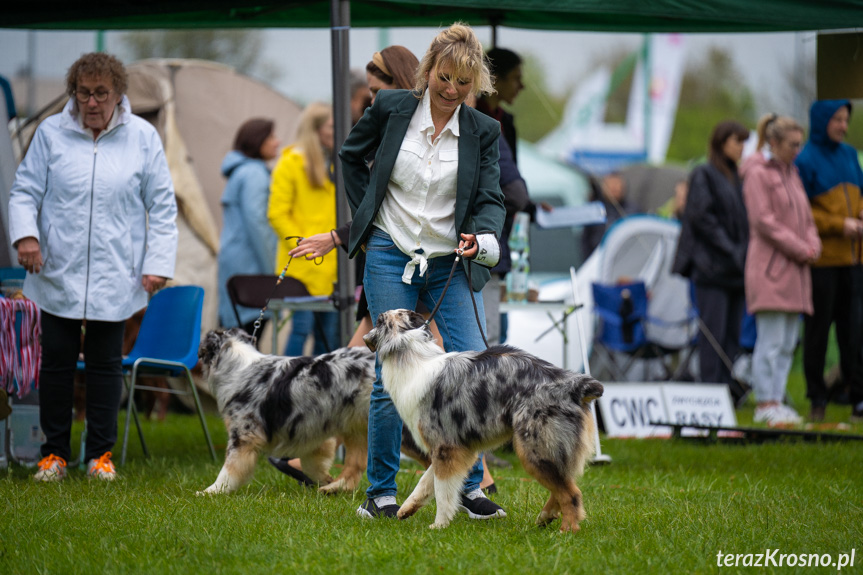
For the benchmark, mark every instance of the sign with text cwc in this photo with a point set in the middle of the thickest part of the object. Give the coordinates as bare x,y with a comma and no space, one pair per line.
628,409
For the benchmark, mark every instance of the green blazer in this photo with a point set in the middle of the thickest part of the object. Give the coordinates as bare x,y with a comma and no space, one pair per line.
479,201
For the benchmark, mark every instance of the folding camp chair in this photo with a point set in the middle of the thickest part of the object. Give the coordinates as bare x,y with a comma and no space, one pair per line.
254,290
167,344
620,337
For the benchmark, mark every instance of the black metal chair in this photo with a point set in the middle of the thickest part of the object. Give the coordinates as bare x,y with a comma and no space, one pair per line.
254,290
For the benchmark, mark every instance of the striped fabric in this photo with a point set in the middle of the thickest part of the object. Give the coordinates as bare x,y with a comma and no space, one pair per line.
18,372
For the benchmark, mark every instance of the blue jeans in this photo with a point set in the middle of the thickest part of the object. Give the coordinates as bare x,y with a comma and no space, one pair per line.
303,325
455,319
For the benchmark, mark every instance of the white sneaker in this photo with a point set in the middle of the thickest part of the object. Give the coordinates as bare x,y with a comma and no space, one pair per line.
767,414
102,468
789,414
51,468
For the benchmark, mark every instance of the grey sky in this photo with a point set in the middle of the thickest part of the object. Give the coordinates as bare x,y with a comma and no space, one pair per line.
303,56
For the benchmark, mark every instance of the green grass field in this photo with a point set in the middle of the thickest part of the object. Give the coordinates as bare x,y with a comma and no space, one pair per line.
661,506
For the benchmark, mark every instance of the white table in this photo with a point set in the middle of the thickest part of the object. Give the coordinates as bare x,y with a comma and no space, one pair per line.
550,308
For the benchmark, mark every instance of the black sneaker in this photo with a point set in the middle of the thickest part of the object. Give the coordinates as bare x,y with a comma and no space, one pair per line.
282,465
478,506
385,506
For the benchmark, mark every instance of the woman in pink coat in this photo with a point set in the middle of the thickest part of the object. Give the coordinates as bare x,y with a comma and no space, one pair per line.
783,241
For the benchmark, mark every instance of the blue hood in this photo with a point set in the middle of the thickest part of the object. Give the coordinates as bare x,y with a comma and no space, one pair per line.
823,163
819,116
233,160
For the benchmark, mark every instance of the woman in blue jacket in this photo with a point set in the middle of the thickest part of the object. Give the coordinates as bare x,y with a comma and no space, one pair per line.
247,244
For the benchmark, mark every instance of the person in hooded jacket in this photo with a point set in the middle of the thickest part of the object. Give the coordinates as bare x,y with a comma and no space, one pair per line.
248,243
711,250
92,214
832,177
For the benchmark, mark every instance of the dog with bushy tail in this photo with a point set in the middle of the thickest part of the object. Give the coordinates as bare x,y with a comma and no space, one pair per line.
458,404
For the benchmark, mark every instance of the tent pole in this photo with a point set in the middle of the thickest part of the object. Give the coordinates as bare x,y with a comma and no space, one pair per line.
340,20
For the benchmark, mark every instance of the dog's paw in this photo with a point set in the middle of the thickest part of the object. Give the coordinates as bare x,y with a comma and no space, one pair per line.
544,518
569,528
406,511
212,490
334,487
438,525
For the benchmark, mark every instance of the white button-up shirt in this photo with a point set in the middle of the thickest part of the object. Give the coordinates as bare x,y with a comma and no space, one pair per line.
418,211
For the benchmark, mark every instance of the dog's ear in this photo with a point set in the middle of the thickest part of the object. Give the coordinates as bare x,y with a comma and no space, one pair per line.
209,348
371,339
415,320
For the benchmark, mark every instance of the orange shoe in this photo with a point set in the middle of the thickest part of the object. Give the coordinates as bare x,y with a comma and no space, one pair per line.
51,468
102,468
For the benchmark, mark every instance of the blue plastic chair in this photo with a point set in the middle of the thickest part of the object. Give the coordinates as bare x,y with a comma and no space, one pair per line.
167,344
12,274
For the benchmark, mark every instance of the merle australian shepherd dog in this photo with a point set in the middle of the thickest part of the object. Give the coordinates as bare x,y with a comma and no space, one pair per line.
289,407
458,404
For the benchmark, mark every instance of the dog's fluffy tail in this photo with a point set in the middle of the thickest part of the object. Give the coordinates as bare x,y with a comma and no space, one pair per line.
585,390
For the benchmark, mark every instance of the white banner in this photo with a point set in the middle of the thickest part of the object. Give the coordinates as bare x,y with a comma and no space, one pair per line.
629,408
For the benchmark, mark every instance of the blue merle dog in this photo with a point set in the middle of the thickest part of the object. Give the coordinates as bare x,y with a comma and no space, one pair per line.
289,407
459,404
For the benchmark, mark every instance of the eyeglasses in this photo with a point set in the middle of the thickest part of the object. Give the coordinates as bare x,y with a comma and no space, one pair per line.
83,96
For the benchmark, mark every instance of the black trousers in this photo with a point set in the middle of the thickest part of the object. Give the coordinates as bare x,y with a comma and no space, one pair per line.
721,310
837,297
103,350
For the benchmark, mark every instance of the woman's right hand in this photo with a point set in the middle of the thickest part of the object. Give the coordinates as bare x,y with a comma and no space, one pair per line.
29,254
316,246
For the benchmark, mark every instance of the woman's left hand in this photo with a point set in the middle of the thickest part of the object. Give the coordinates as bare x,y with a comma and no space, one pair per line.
153,283
468,245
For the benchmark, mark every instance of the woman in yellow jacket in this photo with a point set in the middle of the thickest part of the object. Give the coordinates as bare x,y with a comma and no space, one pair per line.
303,202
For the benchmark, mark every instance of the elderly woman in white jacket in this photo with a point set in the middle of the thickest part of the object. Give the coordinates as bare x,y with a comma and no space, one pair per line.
93,216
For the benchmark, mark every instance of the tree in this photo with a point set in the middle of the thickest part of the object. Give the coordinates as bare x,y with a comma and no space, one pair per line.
536,111
713,90
240,49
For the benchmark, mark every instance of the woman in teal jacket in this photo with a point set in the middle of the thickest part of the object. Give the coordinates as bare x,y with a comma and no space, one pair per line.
247,244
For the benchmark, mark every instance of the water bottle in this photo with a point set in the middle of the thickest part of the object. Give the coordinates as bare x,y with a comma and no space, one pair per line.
626,309
516,280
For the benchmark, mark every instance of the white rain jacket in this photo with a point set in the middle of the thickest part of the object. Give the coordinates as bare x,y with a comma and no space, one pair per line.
103,211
